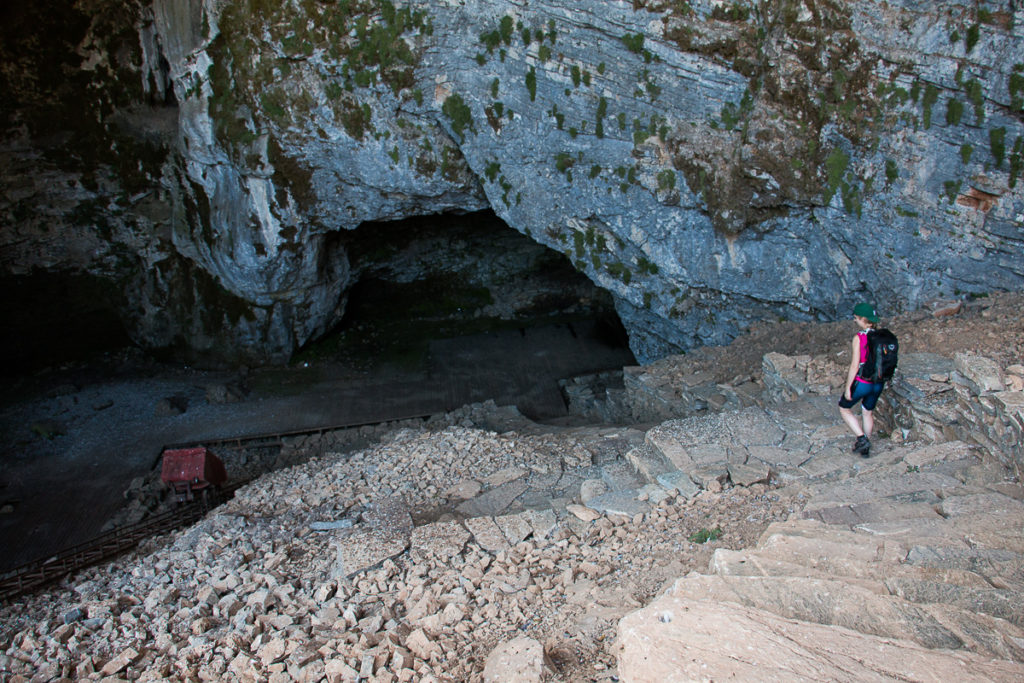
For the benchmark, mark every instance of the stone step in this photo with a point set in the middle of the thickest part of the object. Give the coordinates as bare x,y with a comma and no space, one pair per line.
995,602
648,463
920,545
812,543
986,503
878,511
804,415
1000,567
727,562
623,502
908,487
802,557
677,638
980,530
679,482
920,455
843,604
708,439
607,445
834,463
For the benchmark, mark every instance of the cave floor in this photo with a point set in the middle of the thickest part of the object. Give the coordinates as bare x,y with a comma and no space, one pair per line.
75,437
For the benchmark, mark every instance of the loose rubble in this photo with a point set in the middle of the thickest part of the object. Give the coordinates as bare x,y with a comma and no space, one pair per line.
318,570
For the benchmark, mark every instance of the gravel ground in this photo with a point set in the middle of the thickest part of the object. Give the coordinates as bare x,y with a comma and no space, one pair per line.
276,605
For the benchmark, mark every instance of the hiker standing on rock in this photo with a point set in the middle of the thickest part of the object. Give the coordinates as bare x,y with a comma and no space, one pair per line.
858,388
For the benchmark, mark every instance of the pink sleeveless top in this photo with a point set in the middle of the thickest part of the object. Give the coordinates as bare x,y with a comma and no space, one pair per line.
863,334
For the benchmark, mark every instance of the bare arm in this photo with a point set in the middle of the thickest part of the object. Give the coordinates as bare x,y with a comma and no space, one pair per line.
854,366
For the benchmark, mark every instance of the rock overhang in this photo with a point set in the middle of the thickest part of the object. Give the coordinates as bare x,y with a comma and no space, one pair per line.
709,167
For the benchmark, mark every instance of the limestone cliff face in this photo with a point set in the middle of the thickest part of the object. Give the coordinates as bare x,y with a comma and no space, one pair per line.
708,163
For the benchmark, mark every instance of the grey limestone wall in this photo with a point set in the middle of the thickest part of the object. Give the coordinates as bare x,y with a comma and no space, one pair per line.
709,164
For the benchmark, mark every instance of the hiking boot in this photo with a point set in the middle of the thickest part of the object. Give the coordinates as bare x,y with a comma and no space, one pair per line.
865,448
860,443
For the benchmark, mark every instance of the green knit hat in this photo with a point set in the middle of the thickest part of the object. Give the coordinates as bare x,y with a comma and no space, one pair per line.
866,311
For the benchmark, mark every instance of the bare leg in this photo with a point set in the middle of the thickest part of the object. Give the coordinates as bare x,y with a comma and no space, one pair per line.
853,423
869,422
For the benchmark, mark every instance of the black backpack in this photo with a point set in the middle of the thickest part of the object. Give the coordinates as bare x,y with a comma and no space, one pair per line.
883,356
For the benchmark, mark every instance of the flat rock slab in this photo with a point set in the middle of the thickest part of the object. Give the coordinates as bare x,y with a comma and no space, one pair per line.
826,602
851,554
648,463
667,444
620,503
939,452
619,476
515,527
1004,604
867,573
383,532
613,443
708,454
727,562
777,456
711,476
487,534
677,639
505,476
464,490
753,427
918,389
809,411
1012,402
679,482
924,365
978,530
988,562
877,511
748,475
440,539
983,372
653,494
582,512
911,487
390,514
592,488
822,464
543,522
366,548
985,504
493,502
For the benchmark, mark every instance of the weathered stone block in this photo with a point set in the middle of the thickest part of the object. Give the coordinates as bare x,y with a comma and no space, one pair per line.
982,372
516,661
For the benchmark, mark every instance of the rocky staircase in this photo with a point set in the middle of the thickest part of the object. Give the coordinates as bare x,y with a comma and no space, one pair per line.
908,564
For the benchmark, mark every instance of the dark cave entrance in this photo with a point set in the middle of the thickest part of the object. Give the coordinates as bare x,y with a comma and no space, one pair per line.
456,275
446,295
469,301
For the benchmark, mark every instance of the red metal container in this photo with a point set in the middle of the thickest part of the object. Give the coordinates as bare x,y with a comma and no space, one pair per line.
191,469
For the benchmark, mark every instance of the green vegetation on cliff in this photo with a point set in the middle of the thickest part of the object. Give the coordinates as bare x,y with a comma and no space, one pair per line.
253,81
